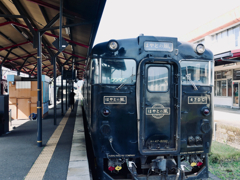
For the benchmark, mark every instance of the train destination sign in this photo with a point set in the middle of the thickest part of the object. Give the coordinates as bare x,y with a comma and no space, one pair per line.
157,111
115,99
158,46
197,100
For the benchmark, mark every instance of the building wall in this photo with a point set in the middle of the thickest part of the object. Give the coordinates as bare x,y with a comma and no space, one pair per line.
226,40
221,35
223,101
220,23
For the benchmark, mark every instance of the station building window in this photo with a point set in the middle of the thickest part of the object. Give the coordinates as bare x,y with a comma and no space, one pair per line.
222,84
236,74
232,33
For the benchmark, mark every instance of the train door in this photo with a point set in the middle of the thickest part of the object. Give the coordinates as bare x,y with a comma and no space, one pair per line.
160,120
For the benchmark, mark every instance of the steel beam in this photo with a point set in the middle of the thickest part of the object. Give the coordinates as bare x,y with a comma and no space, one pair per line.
29,55
67,60
6,37
15,45
49,34
23,64
4,10
14,55
23,12
48,5
68,25
68,53
49,23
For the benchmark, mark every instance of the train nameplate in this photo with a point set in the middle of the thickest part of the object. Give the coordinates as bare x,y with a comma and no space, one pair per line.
197,100
158,46
158,111
115,99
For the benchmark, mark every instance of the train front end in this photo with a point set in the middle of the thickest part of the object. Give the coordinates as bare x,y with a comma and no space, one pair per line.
148,104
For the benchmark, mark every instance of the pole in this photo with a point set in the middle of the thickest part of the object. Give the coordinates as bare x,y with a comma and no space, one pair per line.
73,71
60,26
39,90
62,90
66,96
54,87
1,80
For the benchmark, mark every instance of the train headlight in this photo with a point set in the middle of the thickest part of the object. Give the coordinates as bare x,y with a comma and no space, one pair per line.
113,45
105,112
200,49
205,111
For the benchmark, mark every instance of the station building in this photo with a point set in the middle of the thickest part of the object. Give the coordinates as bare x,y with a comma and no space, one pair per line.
222,36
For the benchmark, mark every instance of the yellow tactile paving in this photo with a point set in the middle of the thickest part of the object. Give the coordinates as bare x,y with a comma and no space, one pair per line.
40,166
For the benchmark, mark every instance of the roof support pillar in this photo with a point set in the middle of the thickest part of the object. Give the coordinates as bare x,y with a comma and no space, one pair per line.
66,95
54,91
60,49
62,90
39,90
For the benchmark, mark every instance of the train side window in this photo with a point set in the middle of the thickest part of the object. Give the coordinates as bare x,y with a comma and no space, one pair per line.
158,79
95,71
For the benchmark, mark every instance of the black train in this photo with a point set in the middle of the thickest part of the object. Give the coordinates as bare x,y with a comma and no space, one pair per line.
148,108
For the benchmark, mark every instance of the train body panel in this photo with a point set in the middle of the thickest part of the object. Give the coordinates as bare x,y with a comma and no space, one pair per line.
148,108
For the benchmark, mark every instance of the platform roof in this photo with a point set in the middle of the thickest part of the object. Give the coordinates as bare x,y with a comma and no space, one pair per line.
20,19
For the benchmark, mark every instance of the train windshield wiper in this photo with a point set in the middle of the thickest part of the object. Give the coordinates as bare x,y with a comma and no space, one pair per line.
123,84
189,78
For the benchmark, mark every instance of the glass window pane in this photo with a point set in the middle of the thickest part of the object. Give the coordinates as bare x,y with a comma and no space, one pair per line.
197,71
215,88
118,71
219,75
236,74
157,78
95,71
236,32
229,87
224,89
224,74
219,90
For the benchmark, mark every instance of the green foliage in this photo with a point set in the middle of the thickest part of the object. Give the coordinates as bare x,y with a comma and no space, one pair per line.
222,152
224,161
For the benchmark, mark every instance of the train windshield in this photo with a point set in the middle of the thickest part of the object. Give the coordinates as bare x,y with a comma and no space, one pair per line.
118,71
196,73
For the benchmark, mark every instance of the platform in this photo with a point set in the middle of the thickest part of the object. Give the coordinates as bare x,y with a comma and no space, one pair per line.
63,155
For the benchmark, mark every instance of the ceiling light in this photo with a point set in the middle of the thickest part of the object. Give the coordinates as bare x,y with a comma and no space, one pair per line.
67,30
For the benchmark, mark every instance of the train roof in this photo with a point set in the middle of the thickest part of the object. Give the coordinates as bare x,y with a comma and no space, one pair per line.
134,48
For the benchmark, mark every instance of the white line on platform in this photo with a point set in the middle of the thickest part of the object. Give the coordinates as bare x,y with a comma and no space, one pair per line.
78,163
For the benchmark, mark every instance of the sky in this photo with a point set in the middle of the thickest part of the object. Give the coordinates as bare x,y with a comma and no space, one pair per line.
129,18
